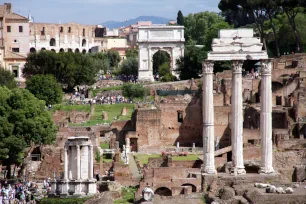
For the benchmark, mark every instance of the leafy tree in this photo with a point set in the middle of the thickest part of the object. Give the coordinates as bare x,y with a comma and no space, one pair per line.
70,69
101,61
23,123
180,18
134,90
113,57
7,78
129,66
131,53
159,58
45,87
292,8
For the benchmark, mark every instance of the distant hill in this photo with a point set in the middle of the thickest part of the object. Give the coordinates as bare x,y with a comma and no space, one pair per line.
154,19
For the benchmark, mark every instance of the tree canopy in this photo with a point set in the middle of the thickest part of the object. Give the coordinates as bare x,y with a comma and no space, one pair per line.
114,58
23,123
129,66
70,69
180,18
7,78
45,87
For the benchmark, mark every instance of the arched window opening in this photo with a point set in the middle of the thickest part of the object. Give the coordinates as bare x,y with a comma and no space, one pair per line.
52,42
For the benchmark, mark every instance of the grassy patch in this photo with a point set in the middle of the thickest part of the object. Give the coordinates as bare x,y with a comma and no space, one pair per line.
113,111
190,157
144,158
69,108
128,195
106,160
64,200
104,145
114,88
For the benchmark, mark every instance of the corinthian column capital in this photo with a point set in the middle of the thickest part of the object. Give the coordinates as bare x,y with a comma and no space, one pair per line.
266,67
208,67
237,66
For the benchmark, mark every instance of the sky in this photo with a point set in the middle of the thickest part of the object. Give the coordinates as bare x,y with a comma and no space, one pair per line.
97,11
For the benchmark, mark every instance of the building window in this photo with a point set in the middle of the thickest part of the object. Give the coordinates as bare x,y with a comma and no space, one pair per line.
61,29
83,32
180,116
15,70
8,29
20,29
15,49
43,31
69,30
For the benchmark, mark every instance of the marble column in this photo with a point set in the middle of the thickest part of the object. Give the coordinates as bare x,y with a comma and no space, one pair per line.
78,163
237,119
266,118
91,162
66,163
208,119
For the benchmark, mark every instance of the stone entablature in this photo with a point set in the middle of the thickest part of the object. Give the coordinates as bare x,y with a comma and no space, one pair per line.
237,44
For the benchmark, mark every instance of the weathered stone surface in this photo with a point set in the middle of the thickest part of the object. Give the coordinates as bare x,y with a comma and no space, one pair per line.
124,111
280,190
271,189
104,115
227,193
289,190
300,173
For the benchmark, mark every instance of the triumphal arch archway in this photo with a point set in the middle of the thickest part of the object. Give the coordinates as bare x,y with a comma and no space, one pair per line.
151,39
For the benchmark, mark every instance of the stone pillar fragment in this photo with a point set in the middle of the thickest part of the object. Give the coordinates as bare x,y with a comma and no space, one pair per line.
266,119
90,169
78,163
237,119
66,163
208,119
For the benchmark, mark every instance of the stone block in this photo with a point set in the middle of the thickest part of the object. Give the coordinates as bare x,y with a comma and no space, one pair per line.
227,193
300,173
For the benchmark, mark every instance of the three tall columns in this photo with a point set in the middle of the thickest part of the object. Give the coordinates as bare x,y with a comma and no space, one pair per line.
208,119
237,119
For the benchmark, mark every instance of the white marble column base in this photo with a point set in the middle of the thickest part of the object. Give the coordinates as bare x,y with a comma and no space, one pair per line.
266,170
238,171
208,170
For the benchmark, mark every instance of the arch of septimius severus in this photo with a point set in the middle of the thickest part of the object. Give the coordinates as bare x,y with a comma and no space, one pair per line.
237,46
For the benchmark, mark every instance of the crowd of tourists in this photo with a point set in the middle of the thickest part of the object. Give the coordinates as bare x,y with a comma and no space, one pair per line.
21,193
110,99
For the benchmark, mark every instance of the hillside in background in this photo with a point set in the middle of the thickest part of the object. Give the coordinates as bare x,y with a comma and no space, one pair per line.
154,19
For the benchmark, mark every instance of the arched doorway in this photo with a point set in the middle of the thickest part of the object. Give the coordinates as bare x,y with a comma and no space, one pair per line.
89,50
53,50
83,51
62,50
77,50
161,57
43,49
69,50
32,50
163,191
194,188
52,42
83,43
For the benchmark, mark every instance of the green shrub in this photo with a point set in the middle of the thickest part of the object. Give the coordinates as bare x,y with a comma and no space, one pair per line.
134,90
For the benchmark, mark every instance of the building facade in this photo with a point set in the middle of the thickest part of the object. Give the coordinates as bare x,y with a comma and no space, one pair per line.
14,40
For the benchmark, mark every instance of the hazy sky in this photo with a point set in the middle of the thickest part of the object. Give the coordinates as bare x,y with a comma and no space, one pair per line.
98,11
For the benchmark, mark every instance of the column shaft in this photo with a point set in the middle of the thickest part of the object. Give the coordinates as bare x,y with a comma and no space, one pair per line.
78,163
66,162
91,162
208,119
237,119
266,119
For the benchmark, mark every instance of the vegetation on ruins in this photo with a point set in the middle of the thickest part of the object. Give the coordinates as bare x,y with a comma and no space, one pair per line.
45,87
113,57
23,123
64,200
99,90
7,78
131,53
134,90
127,195
165,73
